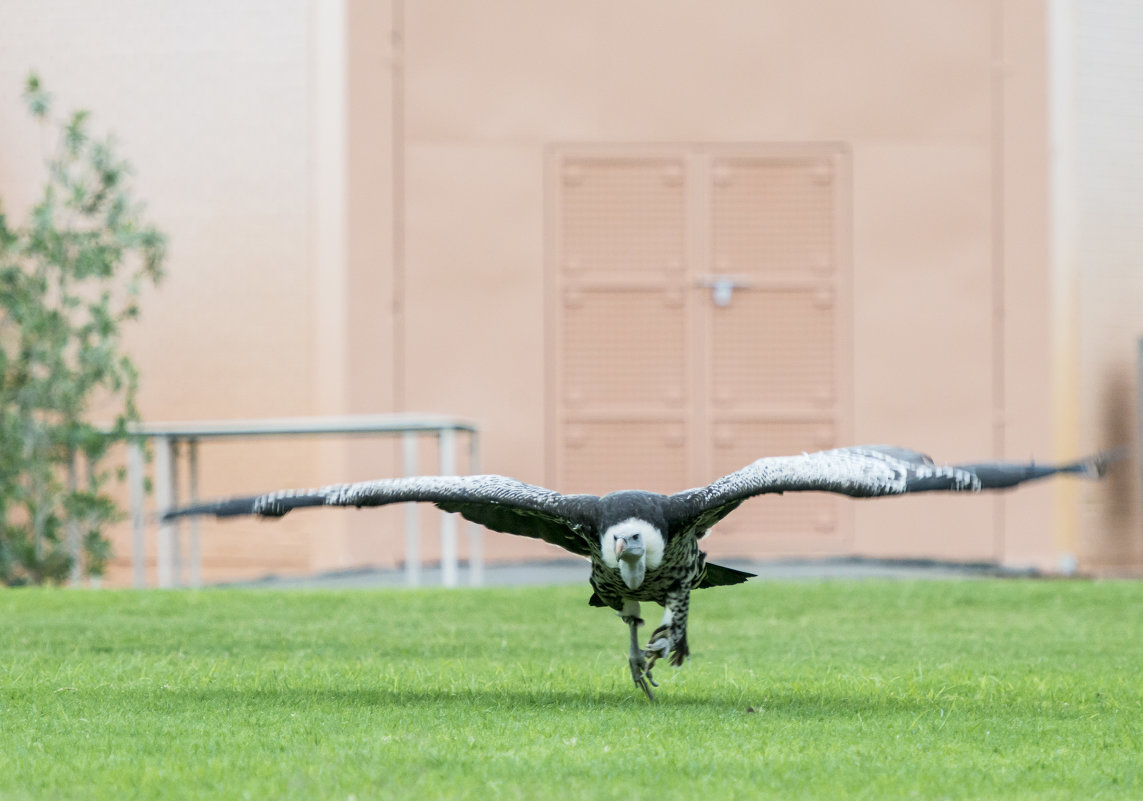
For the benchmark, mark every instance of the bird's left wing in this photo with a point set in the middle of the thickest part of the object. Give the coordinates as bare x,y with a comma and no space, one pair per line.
861,472
500,503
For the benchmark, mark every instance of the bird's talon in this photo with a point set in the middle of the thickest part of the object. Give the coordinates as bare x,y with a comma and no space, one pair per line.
641,673
645,683
657,649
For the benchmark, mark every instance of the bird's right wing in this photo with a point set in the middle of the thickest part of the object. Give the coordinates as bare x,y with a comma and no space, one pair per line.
860,472
500,503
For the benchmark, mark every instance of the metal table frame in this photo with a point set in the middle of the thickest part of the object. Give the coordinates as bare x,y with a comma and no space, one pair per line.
169,439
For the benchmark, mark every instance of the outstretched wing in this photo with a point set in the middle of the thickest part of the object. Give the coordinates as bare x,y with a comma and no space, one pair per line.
860,472
498,502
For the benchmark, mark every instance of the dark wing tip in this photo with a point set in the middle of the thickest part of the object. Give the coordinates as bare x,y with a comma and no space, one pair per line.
235,507
1096,466
231,508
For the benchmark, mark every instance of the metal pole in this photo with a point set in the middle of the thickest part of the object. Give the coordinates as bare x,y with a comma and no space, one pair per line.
138,531
178,563
449,570
475,537
195,547
75,549
165,494
92,581
412,516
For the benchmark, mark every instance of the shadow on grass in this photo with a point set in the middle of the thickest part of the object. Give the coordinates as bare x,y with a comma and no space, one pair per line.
784,702
488,698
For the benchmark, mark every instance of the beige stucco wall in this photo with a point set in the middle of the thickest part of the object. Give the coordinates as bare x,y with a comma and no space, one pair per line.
217,108
915,91
1099,116
356,197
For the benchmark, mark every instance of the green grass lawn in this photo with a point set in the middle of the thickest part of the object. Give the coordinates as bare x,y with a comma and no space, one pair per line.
974,689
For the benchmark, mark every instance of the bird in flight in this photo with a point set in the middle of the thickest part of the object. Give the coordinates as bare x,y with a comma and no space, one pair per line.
644,546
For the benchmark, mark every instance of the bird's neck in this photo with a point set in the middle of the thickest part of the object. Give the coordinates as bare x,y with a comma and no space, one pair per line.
633,572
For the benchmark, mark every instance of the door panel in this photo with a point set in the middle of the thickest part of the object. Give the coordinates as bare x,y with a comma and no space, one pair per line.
773,355
773,216
621,217
623,348
774,350
622,385
605,455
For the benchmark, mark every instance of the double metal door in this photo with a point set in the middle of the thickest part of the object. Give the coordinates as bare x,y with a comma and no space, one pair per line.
699,315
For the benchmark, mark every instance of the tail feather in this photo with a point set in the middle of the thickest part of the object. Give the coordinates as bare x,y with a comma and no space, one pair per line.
721,576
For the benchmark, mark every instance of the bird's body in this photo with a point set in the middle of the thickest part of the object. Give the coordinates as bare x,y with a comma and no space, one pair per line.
643,546
675,562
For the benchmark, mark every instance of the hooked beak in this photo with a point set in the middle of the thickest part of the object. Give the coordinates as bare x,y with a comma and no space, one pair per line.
626,551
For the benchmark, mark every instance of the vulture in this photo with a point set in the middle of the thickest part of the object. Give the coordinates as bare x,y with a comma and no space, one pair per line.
644,546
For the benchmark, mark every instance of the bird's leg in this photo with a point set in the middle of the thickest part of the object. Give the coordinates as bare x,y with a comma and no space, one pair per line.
671,635
640,671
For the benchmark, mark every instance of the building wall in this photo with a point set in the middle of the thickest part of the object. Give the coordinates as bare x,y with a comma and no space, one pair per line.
360,219
923,96
220,111
1101,110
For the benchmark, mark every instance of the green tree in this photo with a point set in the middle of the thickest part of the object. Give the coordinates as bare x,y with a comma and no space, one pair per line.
70,277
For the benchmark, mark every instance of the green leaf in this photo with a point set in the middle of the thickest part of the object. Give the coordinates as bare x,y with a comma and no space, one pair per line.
38,101
75,134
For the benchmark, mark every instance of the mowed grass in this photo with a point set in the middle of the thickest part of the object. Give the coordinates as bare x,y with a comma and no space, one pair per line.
869,689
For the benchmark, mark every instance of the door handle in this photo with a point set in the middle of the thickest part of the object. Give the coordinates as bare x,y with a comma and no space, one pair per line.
722,287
